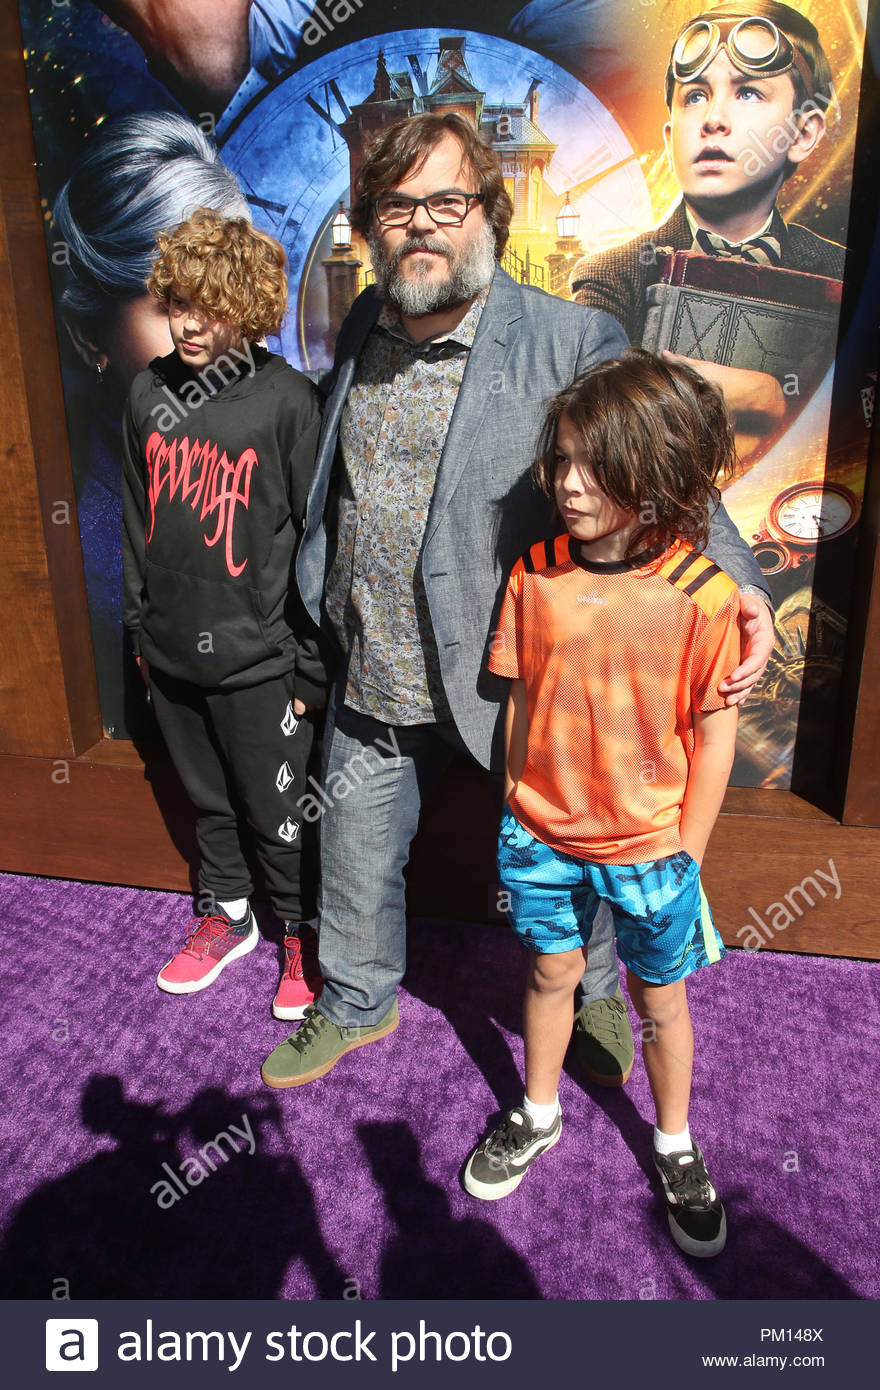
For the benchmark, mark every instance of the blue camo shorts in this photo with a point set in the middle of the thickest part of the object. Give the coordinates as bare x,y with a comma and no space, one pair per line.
661,917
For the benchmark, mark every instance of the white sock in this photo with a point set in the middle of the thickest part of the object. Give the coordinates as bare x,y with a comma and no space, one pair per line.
541,1116
235,909
672,1143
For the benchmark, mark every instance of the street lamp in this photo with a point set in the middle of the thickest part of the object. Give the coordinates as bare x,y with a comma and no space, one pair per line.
568,223
567,220
340,231
341,268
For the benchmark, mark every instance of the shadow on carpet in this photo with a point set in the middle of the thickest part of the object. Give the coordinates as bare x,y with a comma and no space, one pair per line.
146,1159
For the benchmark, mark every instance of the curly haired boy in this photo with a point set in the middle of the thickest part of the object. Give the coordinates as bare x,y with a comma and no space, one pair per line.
219,445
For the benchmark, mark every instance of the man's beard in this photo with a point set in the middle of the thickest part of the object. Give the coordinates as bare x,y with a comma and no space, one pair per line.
471,267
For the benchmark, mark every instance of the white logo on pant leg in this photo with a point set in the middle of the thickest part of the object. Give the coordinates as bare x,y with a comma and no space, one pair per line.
288,830
289,723
284,778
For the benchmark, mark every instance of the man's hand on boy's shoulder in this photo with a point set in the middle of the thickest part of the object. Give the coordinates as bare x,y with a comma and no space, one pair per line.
757,636
750,396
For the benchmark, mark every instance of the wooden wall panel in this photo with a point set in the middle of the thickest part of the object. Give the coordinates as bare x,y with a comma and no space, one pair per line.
33,704
48,694
93,820
98,818
862,803
765,848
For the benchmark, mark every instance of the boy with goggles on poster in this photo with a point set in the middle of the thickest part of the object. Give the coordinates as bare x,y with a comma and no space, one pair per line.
748,87
754,45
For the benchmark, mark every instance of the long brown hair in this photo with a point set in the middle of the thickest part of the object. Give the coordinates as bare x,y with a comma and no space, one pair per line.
402,150
658,439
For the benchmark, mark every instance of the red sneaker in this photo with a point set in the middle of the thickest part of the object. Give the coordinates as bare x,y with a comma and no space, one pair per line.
210,945
301,981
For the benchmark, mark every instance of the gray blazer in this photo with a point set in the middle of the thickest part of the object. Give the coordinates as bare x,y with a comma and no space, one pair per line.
484,512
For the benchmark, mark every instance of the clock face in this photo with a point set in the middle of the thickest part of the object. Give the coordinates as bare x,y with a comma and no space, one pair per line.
812,512
286,144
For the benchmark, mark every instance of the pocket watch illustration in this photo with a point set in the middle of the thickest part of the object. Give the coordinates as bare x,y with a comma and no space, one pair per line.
798,692
798,518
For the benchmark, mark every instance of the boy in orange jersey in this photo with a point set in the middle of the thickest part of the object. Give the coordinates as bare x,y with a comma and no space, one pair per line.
615,636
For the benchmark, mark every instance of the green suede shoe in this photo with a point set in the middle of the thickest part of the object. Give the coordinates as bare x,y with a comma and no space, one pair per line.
317,1046
603,1040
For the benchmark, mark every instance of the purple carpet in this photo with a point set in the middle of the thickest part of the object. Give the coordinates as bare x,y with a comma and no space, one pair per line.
354,1182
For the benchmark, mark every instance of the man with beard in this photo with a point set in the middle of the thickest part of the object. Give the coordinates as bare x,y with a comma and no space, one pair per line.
420,505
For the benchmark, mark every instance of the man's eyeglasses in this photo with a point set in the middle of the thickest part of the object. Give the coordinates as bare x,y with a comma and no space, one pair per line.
444,209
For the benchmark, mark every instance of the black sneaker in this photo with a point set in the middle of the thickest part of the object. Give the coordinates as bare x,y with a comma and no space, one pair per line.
500,1162
696,1216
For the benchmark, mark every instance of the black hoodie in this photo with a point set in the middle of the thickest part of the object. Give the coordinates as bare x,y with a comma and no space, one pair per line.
214,488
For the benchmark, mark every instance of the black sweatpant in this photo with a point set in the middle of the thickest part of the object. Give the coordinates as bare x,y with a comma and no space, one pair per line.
244,754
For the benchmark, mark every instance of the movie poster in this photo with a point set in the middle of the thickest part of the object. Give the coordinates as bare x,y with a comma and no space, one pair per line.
141,112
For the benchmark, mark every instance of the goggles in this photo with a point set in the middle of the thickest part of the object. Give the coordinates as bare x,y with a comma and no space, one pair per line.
753,44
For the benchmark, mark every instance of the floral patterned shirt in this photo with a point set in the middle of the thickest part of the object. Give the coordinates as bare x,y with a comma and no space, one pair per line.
393,430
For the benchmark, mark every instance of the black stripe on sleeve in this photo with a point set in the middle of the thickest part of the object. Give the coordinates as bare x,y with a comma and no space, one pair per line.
702,579
550,554
528,563
682,567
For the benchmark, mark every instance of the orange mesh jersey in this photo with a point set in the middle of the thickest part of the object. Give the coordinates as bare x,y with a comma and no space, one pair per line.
614,660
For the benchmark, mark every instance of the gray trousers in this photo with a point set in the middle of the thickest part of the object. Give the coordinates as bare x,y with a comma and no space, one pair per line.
375,778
